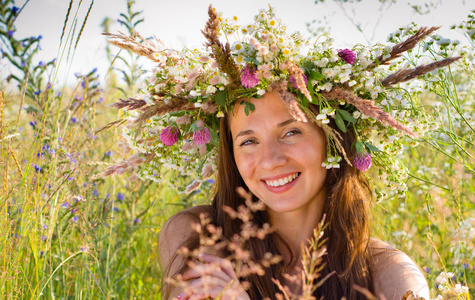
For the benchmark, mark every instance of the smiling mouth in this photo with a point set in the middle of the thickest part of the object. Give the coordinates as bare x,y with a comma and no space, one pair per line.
282,181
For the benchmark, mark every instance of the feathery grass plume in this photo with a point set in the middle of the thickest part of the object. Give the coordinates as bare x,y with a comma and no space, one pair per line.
174,104
129,104
143,47
367,107
83,25
297,73
221,53
404,46
289,100
408,74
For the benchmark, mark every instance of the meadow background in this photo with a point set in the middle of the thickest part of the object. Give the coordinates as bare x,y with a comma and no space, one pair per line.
67,233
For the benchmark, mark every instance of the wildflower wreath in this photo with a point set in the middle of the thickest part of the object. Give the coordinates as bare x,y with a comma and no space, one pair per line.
174,121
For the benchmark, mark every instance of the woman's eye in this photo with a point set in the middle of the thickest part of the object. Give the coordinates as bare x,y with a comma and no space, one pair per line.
247,142
293,132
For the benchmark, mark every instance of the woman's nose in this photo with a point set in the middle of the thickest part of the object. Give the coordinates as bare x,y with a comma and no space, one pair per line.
271,155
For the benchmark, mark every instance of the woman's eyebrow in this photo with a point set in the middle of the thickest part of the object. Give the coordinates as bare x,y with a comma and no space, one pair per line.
249,131
285,123
244,132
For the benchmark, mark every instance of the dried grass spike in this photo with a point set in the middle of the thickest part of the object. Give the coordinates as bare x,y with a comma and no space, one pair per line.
367,107
408,74
289,100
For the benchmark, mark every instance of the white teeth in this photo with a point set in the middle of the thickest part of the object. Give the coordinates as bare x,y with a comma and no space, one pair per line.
281,181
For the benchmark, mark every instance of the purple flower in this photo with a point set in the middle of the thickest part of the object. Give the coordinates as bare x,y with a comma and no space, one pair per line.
120,196
116,209
10,33
248,77
41,64
74,120
40,37
41,253
100,100
108,153
95,193
24,43
362,161
137,220
65,205
43,238
347,55
75,219
294,82
15,9
37,168
94,70
201,136
169,135
37,92
45,227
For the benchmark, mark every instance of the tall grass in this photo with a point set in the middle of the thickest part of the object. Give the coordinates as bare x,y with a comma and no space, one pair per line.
67,233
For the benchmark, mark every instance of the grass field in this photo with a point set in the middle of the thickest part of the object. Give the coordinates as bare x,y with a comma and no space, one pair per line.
67,233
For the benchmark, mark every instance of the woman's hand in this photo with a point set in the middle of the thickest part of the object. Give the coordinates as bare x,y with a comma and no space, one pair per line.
214,278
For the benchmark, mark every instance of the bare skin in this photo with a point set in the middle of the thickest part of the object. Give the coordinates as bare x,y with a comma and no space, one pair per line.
280,160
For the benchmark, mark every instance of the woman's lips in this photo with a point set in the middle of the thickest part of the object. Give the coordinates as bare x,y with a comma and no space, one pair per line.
282,183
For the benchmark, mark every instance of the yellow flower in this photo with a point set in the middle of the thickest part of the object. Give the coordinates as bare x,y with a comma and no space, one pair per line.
244,30
239,59
238,47
235,18
149,121
272,23
286,51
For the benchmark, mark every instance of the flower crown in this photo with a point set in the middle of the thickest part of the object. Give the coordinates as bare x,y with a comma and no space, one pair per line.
174,121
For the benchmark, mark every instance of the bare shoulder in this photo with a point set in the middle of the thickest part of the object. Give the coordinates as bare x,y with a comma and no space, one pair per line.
394,272
176,231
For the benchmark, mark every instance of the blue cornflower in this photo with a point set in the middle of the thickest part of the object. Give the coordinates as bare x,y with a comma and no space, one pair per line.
100,100
65,205
108,153
40,37
120,196
116,209
94,70
71,178
15,9
75,219
10,33
466,266
74,120
41,64
95,193
24,43
41,253
33,124
37,168
83,84
40,155
137,220
37,92
43,238
210,181
60,94
45,227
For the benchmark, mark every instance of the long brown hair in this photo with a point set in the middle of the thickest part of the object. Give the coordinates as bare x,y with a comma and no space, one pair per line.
347,210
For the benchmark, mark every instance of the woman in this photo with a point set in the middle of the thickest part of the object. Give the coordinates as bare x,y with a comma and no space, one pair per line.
295,131
257,152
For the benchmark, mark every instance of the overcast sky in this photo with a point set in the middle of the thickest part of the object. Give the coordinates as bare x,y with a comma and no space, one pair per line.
178,22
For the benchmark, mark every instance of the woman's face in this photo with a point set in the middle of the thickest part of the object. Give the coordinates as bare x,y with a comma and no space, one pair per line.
280,159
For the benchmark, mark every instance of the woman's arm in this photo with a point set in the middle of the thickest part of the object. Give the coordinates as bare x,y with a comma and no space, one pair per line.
394,273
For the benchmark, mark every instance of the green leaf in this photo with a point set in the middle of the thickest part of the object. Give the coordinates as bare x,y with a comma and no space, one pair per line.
340,123
252,59
314,75
249,107
371,147
359,146
346,115
221,98
308,65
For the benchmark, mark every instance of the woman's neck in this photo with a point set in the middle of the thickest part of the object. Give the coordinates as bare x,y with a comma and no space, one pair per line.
296,227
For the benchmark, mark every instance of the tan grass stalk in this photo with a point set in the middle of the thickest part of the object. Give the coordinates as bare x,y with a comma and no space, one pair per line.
297,73
408,74
2,105
83,24
404,46
66,21
221,53
367,107
16,160
289,100
143,48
